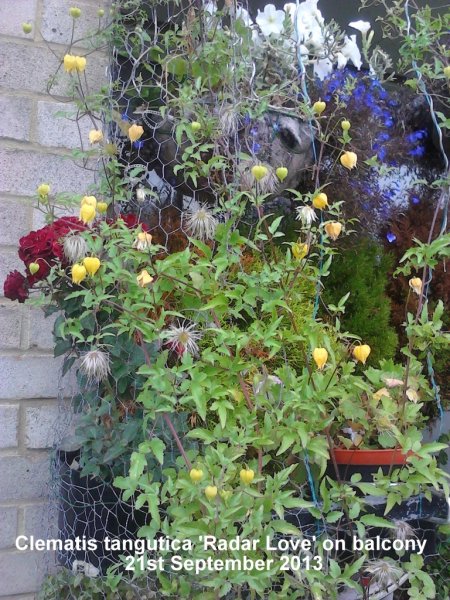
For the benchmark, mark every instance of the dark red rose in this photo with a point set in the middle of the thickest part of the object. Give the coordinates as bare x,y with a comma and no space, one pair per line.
44,245
16,287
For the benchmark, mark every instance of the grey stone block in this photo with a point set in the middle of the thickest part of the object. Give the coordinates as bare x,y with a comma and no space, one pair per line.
69,131
57,24
9,425
25,376
15,220
15,12
41,425
22,572
41,330
24,477
8,527
16,115
28,67
41,521
10,324
23,171
9,261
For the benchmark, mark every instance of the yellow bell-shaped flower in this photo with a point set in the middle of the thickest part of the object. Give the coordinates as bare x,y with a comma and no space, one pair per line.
80,63
281,173
320,201
333,229
259,172
299,251
349,160
102,207
92,264
247,476
196,475
319,107
70,63
320,356
211,492
361,353
95,136
415,283
87,213
78,273
135,132
144,278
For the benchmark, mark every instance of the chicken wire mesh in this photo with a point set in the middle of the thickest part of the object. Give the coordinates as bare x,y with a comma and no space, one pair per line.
221,129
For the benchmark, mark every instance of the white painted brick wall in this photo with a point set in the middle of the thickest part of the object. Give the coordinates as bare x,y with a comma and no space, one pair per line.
34,148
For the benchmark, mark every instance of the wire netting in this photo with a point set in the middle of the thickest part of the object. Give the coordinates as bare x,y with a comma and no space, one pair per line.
220,128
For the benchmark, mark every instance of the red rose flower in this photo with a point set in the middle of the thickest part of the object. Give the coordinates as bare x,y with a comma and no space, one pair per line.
44,246
16,287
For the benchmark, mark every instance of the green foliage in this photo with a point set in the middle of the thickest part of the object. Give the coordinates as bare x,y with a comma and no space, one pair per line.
362,270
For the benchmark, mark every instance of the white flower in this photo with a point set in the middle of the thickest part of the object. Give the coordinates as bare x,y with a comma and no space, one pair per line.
362,26
183,338
306,215
95,365
270,20
383,572
201,223
322,68
75,248
243,14
341,60
351,51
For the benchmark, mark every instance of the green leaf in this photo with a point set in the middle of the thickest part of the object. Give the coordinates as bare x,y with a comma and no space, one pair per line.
286,528
158,446
374,521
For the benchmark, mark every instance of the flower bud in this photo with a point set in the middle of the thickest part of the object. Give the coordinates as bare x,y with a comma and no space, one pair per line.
87,213
91,264
281,173
349,160
135,132
33,268
78,273
259,172
43,191
100,12
196,475
320,201
320,356
447,71
247,476
211,492
361,353
333,229
102,207
415,283
319,107
75,12
196,126
27,27
345,125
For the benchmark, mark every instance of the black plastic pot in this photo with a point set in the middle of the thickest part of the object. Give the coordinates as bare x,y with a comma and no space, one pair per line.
92,509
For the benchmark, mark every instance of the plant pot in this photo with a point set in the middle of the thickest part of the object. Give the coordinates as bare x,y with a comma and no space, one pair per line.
366,462
92,509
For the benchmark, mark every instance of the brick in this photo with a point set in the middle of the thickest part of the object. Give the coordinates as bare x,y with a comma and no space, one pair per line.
15,12
9,261
23,170
22,572
9,425
8,526
10,324
28,67
24,477
62,131
16,115
41,521
40,425
25,376
15,220
56,23
41,330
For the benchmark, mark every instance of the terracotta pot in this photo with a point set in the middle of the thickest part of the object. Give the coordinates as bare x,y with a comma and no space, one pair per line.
366,462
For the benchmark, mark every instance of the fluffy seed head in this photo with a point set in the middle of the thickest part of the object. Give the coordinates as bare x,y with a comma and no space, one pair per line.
201,223
95,365
75,248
